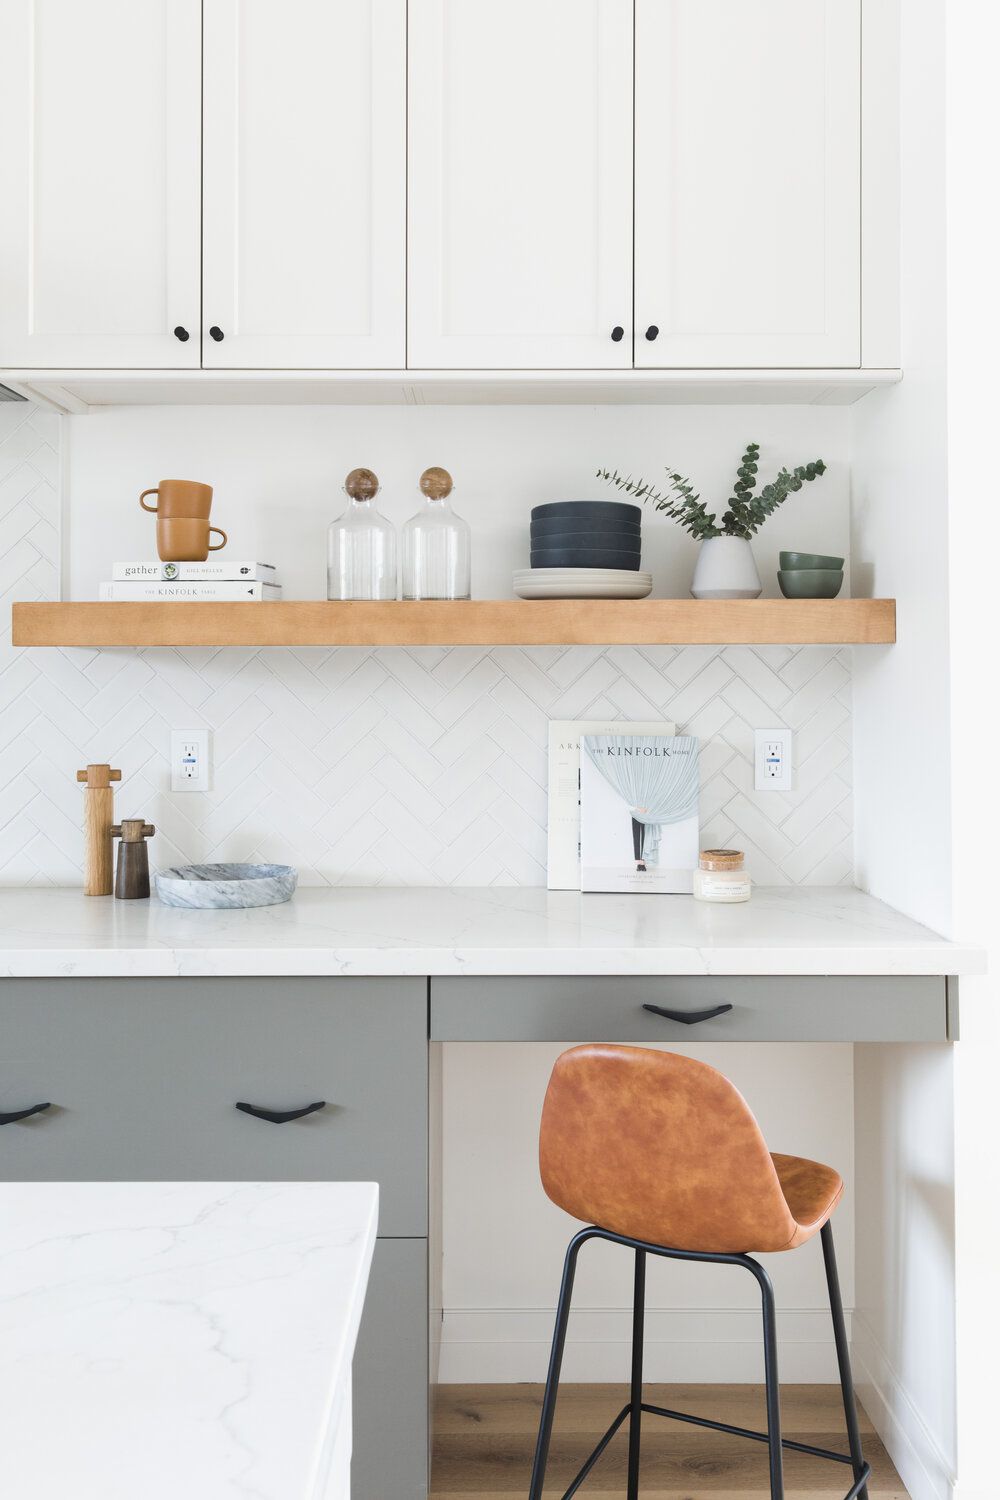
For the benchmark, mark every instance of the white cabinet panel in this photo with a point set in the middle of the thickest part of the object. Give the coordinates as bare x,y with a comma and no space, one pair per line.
520,184
100,123
305,184
747,206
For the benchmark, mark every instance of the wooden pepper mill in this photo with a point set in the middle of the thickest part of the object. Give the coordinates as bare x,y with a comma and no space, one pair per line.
98,816
132,878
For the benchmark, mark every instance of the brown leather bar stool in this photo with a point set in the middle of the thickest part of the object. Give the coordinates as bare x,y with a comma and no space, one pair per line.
662,1154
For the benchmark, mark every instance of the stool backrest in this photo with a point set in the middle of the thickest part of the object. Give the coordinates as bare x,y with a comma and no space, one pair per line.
660,1148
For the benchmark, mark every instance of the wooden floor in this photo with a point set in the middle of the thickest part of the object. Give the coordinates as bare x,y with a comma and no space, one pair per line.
484,1437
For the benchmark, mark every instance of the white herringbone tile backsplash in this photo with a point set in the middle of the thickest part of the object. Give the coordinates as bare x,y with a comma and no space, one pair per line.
388,766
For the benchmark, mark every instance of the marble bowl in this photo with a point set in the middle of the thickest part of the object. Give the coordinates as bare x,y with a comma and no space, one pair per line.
226,885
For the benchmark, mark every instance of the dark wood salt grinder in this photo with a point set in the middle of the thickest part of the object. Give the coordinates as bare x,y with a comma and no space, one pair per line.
132,873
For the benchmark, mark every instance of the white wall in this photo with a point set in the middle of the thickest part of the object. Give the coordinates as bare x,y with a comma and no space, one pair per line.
973,127
392,766
904,1330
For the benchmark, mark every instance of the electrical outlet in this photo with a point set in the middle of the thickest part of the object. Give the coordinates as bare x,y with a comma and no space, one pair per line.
189,760
772,760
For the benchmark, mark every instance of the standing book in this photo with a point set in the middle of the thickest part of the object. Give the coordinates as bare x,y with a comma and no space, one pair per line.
565,736
639,813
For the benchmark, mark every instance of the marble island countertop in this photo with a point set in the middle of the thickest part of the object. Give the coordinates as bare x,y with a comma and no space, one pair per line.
497,930
180,1339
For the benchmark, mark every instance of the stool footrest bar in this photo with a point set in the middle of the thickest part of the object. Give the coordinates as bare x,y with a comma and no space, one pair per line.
746,1432
595,1455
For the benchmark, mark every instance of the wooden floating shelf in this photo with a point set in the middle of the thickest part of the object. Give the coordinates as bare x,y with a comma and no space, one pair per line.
477,622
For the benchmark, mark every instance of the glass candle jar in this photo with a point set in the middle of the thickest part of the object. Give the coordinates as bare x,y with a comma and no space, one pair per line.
361,545
721,876
437,550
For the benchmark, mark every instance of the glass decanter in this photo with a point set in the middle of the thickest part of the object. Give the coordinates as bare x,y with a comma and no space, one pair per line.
361,545
437,545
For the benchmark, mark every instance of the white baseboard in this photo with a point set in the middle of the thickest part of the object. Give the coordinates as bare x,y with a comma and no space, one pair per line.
491,1345
918,1454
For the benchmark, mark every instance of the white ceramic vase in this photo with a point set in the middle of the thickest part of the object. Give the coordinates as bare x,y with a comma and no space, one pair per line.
726,570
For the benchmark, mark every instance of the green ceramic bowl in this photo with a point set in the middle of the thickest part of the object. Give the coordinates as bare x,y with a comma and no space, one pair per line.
795,560
810,583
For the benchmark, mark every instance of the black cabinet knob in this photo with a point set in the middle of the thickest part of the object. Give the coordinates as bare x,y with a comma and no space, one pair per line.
182,334
617,333
216,333
651,332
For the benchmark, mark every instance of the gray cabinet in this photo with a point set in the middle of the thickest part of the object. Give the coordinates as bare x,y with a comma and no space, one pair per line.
144,1077
796,1008
391,1416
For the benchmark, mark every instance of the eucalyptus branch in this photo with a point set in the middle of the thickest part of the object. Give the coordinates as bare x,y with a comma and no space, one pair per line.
746,511
688,510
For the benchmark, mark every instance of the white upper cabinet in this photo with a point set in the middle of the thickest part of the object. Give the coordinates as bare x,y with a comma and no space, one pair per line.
520,184
305,184
100,125
747,186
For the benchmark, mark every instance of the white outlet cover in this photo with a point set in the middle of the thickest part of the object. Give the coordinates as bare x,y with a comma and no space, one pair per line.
772,760
190,765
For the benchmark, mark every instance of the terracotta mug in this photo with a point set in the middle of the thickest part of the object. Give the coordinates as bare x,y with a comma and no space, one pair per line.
185,539
183,498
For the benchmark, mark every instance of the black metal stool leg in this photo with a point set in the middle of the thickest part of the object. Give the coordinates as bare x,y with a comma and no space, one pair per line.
555,1365
635,1395
843,1356
772,1389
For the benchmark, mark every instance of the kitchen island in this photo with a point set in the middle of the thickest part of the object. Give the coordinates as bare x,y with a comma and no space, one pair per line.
177,1338
303,1042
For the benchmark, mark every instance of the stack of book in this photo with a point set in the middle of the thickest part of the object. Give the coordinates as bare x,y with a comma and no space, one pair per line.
215,581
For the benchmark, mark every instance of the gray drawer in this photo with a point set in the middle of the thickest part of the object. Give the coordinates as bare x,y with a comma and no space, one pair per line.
144,1077
764,1009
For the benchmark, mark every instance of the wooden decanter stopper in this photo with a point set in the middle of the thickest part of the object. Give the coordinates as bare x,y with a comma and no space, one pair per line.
98,816
436,484
132,878
361,484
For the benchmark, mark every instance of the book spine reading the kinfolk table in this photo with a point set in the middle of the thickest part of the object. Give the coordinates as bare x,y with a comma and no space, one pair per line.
221,571
192,593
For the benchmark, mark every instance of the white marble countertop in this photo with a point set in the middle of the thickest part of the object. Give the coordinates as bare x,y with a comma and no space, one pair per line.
160,1340
451,930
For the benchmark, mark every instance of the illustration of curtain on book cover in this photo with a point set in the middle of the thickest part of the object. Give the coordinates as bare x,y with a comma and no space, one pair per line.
654,813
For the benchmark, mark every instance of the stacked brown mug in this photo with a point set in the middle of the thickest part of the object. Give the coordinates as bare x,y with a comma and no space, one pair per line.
182,510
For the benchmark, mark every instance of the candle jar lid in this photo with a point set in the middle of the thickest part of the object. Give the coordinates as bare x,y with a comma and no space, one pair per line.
721,859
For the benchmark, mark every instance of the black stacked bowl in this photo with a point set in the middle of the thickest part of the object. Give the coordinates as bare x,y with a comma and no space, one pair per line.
586,534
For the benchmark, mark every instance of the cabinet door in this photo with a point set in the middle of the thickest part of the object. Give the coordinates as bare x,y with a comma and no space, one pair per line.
748,183
305,184
520,184
100,182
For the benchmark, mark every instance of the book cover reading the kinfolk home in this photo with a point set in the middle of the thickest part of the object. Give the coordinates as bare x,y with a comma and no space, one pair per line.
638,813
565,735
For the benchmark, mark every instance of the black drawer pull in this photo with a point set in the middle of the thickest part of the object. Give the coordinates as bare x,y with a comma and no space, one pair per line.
23,1114
281,1116
216,333
688,1017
